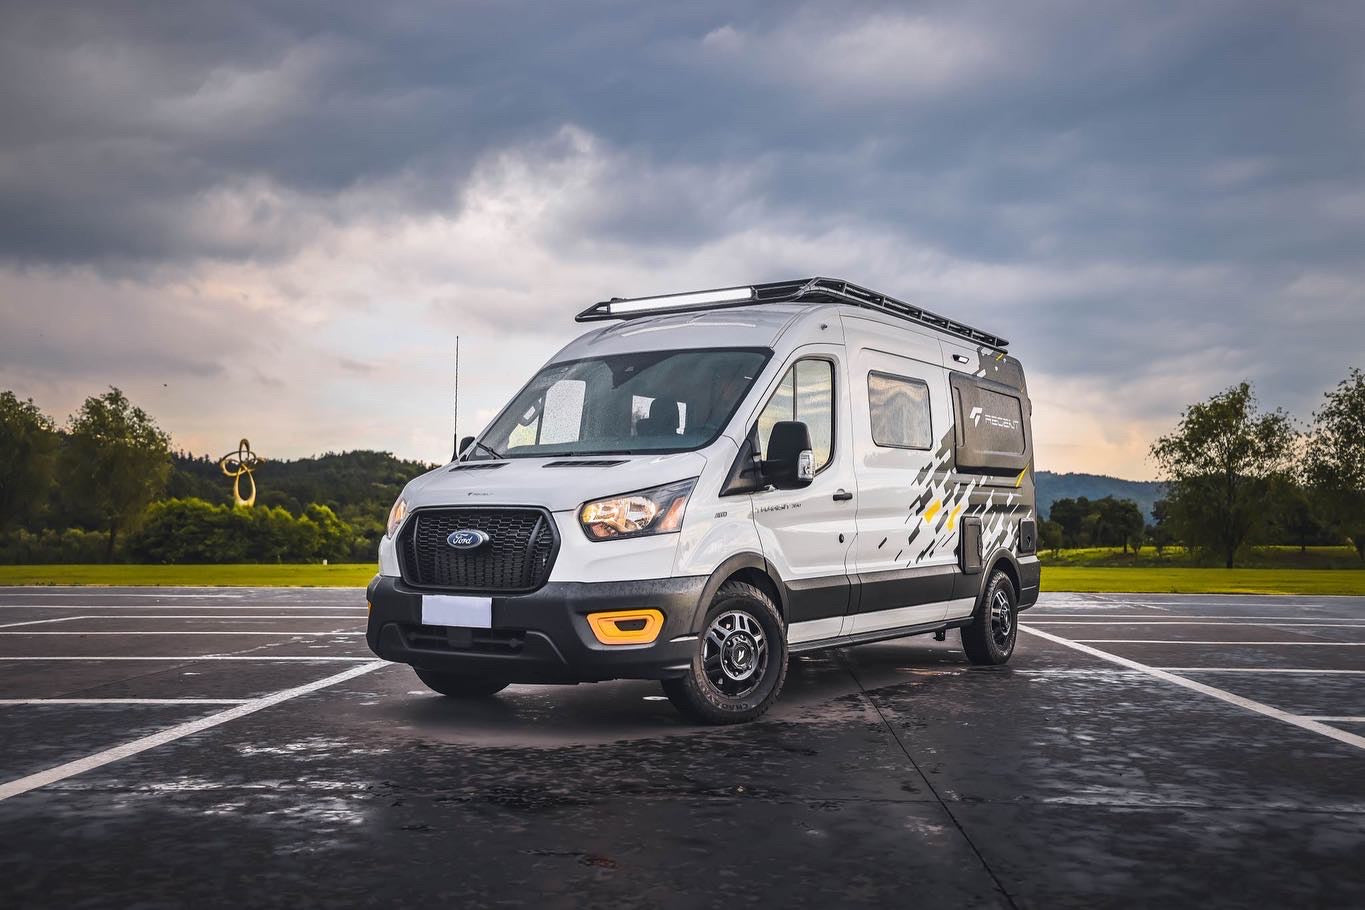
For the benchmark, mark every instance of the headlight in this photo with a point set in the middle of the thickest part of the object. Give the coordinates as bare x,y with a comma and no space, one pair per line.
654,511
397,514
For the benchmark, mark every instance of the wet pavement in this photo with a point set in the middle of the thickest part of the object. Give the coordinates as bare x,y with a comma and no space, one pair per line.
239,747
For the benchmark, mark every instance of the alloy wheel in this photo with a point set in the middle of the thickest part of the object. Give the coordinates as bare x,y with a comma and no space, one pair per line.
735,653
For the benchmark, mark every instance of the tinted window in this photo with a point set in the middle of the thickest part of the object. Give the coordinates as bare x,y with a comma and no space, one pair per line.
806,393
900,412
994,423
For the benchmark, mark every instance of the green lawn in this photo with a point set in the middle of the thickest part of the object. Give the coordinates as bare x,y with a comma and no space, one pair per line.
355,575
1171,557
1108,579
1100,579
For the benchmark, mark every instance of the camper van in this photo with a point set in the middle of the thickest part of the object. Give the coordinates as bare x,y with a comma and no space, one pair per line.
707,483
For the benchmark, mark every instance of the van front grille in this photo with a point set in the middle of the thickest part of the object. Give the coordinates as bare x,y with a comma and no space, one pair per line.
516,558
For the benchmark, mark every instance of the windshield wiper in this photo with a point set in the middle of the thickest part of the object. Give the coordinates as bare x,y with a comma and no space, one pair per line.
490,450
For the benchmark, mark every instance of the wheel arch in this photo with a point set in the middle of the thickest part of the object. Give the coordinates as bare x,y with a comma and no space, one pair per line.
1005,561
750,568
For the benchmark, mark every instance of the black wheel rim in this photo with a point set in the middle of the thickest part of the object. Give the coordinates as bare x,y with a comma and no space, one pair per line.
1002,619
734,654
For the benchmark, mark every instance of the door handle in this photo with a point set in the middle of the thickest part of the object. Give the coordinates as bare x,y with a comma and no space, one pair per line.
843,496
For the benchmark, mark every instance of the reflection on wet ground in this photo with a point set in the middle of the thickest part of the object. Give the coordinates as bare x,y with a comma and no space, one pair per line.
889,774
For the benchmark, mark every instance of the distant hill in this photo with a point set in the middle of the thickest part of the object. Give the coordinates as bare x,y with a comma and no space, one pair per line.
1052,487
359,486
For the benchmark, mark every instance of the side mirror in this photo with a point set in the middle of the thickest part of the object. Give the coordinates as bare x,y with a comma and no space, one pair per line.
465,443
790,464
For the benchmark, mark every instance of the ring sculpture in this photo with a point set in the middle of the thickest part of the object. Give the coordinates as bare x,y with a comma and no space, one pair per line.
237,465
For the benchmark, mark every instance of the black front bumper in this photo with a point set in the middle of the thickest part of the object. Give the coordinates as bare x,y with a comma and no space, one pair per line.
540,637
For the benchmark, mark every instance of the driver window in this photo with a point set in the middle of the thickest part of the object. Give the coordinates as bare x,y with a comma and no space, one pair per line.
806,393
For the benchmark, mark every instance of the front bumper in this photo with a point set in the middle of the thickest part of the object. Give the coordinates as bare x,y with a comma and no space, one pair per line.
540,637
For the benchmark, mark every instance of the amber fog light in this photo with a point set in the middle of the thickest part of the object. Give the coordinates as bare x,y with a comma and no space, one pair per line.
626,627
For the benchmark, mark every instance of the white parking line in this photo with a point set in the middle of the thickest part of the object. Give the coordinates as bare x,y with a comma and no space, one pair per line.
119,607
124,701
255,618
181,632
188,658
1313,726
180,731
1258,670
1193,622
39,622
1159,618
1172,641
1340,720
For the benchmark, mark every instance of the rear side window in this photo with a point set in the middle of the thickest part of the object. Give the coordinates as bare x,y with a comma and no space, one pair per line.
806,393
900,412
992,434
995,423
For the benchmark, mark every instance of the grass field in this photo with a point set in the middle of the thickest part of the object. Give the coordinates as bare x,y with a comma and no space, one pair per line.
1099,579
1172,557
1105,579
266,576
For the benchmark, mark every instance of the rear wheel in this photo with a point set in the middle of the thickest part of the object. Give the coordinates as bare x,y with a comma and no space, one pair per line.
454,685
740,662
995,627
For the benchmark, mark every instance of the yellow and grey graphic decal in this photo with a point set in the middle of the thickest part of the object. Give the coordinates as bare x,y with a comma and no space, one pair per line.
940,499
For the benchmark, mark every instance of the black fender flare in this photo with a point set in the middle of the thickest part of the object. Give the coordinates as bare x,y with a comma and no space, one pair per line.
998,555
733,564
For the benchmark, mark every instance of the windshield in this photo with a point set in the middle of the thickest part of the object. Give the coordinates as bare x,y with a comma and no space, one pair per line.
654,401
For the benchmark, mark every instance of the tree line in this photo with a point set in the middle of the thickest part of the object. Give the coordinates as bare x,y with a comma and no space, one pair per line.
107,486
1236,476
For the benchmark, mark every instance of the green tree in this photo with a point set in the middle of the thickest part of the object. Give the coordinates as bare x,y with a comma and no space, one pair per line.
1161,532
1049,536
1123,523
1071,515
1222,463
28,456
1334,465
115,462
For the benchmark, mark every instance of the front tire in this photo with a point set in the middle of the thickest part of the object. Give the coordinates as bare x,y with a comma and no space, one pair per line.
990,639
453,685
740,663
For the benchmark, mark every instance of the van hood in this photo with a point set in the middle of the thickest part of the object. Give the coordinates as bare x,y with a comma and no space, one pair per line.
558,484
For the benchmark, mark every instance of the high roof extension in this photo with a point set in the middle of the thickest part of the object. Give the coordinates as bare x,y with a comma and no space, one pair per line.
805,290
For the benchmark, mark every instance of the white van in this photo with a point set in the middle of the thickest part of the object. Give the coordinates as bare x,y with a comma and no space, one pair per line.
710,482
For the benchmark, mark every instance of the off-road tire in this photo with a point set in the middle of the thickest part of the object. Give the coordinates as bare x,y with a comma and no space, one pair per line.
698,698
990,638
454,685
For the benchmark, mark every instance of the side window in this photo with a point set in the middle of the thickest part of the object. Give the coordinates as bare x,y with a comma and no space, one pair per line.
805,393
900,412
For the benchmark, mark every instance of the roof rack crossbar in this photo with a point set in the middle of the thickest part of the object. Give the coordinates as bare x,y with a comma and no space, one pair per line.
806,290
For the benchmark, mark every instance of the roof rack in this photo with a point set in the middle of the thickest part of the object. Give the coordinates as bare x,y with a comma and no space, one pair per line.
805,290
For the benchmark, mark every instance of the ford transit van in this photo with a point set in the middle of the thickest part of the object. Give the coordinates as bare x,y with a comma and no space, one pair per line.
709,482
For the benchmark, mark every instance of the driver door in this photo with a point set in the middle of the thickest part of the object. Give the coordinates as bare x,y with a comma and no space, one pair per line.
806,534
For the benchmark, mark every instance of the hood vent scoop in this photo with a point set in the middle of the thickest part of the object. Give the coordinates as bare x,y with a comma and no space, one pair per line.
479,465
584,464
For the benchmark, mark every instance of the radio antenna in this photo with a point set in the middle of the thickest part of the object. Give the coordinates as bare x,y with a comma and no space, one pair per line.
455,448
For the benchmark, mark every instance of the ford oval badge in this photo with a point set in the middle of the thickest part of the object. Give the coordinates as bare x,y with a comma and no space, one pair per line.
467,540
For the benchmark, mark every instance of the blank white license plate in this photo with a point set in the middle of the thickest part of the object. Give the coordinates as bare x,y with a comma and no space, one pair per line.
452,610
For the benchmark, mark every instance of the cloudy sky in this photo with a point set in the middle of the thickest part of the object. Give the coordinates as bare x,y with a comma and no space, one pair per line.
272,219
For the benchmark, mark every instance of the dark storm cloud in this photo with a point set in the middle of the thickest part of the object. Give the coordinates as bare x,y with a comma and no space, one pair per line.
1183,131
1164,197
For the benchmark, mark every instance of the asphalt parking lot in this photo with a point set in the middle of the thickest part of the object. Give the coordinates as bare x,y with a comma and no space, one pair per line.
213,747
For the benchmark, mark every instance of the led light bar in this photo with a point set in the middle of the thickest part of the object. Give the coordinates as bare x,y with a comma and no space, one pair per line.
680,301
